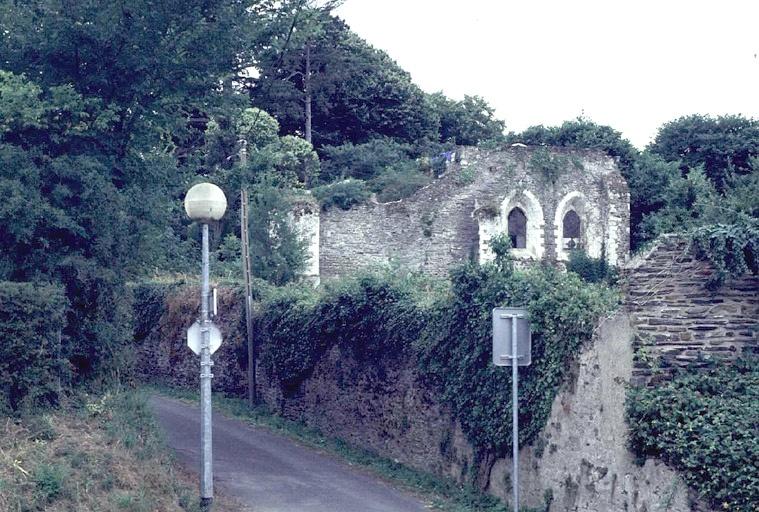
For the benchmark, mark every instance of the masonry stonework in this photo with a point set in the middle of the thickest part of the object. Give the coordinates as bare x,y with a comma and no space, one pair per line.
677,321
452,219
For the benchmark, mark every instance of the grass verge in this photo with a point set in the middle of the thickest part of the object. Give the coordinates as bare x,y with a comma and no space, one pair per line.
443,494
95,453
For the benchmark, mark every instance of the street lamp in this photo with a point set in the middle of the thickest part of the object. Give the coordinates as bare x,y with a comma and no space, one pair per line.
205,202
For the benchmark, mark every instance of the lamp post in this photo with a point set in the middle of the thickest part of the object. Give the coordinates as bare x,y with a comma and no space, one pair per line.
205,202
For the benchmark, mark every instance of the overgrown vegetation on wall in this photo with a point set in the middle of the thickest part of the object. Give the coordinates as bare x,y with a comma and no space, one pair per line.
732,249
447,331
455,354
705,426
31,364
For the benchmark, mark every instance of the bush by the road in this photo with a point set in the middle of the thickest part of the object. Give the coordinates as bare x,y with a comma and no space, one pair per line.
32,317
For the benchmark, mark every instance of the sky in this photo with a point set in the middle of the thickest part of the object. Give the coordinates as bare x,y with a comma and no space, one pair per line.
633,65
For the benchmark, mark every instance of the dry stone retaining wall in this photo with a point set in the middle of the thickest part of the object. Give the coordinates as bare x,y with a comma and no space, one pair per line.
679,322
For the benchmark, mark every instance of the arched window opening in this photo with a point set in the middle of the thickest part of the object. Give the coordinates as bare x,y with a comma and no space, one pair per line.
518,228
571,230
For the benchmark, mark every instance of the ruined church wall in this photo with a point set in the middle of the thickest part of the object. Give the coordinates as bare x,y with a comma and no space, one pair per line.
439,225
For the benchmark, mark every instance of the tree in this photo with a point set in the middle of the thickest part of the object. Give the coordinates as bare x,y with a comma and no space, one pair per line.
723,145
99,146
650,180
278,254
467,122
329,85
585,134
686,200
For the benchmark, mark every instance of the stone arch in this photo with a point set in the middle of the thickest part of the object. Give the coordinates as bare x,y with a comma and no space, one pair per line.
528,204
590,228
491,225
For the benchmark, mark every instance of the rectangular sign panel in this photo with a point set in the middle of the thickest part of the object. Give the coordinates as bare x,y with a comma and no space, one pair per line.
502,329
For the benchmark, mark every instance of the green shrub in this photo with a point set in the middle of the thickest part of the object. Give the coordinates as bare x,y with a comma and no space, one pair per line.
374,318
704,425
362,161
398,182
731,248
592,270
32,317
370,318
50,481
149,304
343,194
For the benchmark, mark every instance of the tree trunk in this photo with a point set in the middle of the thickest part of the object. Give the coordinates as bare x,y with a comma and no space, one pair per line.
307,92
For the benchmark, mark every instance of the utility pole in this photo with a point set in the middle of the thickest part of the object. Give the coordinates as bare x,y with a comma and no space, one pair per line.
244,237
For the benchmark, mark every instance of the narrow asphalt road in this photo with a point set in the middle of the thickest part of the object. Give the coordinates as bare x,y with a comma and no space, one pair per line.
271,473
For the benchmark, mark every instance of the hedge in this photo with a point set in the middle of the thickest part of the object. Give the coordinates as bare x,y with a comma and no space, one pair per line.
704,425
32,369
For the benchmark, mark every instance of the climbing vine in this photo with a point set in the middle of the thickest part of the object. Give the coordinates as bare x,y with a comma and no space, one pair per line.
730,248
704,424
378,319
548,165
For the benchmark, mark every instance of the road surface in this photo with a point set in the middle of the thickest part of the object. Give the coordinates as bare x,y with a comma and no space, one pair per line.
271,473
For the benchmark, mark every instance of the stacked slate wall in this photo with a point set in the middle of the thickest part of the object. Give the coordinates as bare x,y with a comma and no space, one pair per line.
677,321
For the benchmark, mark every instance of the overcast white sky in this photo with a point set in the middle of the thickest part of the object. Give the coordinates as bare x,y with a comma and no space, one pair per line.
631,64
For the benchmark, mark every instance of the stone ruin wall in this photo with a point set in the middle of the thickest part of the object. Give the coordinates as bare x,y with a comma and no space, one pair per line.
677,321
580,458
451,219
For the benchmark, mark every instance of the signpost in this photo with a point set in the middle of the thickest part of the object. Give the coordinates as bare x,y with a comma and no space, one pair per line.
512,346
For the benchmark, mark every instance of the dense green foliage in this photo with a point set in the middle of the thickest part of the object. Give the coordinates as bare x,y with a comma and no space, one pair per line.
32,367
342,194
387,167
723,145
732,249
362,161
99,137
456,349
582,134
467,122
369,318
398,182
343,79
705,426
375,318
592,270
277,253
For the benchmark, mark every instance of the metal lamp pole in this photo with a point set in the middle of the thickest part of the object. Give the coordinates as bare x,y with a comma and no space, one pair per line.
205,202
206,431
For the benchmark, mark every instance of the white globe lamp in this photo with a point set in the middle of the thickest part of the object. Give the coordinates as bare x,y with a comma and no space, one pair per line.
205,202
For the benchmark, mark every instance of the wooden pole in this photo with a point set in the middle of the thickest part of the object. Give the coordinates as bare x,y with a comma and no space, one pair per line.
252,398
244,234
